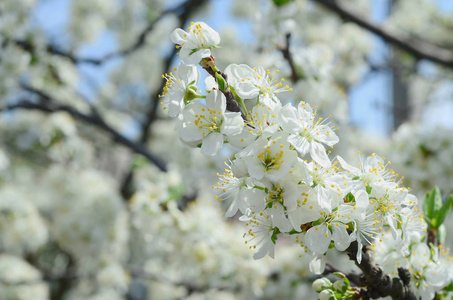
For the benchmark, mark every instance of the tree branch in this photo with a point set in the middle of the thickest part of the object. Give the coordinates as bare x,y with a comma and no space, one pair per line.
189,6
288,56
379,284
140,41
418,48
95,120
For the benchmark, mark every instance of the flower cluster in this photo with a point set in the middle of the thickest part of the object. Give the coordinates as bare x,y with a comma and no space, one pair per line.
281,178
431,266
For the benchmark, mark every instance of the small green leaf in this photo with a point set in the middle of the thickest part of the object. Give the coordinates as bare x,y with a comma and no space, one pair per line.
274,235
221,82
350,197
449,288
432,203
443,212
368,189
281,2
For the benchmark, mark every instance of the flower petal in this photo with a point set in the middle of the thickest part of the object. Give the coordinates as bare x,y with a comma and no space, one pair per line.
318,153
232,123
212,144
318,238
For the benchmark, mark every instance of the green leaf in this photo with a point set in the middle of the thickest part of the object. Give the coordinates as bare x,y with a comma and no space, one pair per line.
221,82
281,2
350,197
443,212
432,203
449,288
274,235
368,189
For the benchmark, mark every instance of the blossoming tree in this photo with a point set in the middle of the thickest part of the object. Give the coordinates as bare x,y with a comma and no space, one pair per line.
102,197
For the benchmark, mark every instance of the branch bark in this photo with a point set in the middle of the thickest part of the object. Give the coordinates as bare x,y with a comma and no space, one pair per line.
418,48
379,284
289,58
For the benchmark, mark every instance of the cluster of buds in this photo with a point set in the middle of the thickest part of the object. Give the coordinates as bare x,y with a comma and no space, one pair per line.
339,290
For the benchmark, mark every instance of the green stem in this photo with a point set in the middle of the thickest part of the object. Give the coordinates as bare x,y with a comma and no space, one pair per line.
240,101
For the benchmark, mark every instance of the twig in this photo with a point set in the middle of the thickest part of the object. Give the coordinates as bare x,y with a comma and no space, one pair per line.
353,277
139,42
379,284
126,189
418,48
288,56
91,119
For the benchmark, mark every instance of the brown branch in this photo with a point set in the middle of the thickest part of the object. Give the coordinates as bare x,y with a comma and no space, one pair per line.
418,48
139,42
95,120
188,8
379,284
288,56
352,277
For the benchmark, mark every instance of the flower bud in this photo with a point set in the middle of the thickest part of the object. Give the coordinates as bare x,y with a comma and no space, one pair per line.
321,283
339,285
327,295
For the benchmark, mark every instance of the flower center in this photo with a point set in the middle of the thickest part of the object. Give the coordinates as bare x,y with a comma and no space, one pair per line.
271,160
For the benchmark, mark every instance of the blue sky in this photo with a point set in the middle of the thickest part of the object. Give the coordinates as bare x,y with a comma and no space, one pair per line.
369,100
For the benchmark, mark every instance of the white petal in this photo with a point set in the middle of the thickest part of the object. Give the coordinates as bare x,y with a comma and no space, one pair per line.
188,73
289,119
255,198
177,36
329,139
210,83
190,133
212,37
318,239
290,195
323,197
236,73
243,139
347,166
212,144
246,90
318,264
232,123
267,247
174,108
216,101
319,155
300,143
190,58
340,237
256,169
301,216
361,199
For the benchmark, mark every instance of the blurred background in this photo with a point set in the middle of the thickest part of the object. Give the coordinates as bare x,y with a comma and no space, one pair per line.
98,197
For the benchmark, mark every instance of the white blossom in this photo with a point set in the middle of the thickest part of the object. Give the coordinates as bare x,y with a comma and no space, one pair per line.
180,85
196,43
306,133
209,124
